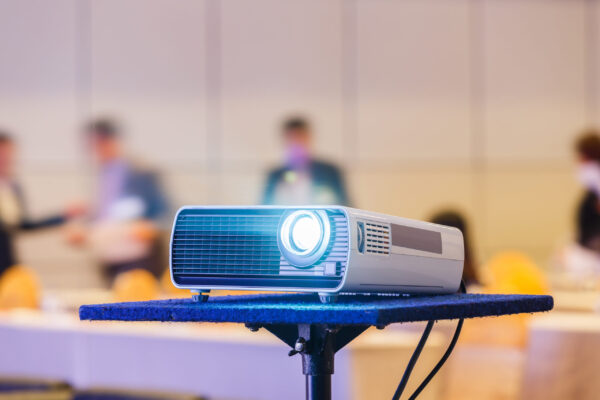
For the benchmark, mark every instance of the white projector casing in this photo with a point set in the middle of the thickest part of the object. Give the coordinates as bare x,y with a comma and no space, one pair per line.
221,247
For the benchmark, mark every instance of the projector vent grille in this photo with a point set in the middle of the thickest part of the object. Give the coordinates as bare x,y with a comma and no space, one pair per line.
226,244
237,247
377,238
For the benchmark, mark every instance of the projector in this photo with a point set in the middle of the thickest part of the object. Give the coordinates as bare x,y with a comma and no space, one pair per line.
327,250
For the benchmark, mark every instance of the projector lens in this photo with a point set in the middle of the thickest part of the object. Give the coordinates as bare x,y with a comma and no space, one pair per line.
306,233
304,236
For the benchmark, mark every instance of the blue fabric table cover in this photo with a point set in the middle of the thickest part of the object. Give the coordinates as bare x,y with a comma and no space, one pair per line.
306,309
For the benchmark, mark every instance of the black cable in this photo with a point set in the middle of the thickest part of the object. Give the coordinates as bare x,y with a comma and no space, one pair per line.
438,366
440,363
413,361
417,353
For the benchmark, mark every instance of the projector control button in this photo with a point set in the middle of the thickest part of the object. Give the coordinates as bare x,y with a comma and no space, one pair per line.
330,269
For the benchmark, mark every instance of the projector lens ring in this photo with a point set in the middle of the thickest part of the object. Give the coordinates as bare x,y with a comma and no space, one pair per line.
304,236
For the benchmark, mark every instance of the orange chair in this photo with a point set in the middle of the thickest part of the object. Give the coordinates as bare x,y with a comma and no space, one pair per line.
135,285
170,289
511,272
19,288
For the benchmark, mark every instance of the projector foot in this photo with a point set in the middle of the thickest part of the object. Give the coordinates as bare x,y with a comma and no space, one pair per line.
200,296
327,298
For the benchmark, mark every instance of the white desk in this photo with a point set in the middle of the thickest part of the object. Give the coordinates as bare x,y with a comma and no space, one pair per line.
563,357
576,301
214,360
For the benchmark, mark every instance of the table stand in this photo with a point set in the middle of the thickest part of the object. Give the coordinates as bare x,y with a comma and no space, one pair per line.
317,344
315,330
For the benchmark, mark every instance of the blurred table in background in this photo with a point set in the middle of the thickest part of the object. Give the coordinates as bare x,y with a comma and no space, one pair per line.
576,300
476,372
563,357
215,360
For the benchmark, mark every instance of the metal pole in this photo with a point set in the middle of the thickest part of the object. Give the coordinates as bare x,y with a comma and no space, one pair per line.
317,344
317,360
318,387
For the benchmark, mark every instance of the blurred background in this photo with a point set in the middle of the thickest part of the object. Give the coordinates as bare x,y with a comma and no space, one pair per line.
420,107
425,104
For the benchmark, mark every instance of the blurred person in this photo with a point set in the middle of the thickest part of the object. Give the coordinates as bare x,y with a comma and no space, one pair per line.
587,148
456,220
579,262
13,210
303,179
124,232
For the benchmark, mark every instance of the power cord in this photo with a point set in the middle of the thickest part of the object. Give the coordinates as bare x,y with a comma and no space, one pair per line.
413,360
417,353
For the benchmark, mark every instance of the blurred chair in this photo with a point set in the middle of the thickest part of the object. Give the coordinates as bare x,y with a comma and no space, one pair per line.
31,389
489,361
135,285
19,288
109,394
511,272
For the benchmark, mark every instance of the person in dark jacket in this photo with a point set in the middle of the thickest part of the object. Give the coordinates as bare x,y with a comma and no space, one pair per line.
303,179
587,148
125,225
13,211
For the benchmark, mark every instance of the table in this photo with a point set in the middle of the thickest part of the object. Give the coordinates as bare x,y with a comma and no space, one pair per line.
563,357
315,330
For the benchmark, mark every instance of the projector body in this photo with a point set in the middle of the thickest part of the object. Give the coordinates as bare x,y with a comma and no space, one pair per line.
322,249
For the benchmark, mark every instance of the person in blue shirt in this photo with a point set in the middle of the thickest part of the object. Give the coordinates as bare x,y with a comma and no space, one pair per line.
303,179
129,205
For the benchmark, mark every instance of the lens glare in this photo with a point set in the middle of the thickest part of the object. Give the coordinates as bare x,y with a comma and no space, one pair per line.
304,236
306,233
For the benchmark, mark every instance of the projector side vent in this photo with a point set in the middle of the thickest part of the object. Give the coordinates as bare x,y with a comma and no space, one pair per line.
377,238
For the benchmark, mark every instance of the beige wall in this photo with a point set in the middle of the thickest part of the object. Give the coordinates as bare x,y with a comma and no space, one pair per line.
426,103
